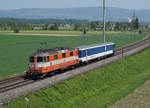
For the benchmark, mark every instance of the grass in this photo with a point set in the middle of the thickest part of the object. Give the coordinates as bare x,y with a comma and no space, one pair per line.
59,32
15,49
69,32
97,89
139,98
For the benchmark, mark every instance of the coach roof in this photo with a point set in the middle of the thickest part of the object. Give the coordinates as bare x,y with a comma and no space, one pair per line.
94,46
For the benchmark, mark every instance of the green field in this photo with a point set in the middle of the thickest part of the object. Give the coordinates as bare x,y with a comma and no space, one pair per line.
97,89
59,32
15,49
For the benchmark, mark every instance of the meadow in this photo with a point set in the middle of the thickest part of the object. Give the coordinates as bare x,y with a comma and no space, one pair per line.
97,89
16,49
60,32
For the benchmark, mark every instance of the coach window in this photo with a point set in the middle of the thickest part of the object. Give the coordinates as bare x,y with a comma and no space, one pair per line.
64,55
55,57
71,53
39,59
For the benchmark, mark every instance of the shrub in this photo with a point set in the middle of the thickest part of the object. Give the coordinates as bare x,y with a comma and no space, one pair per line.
140,31
16,30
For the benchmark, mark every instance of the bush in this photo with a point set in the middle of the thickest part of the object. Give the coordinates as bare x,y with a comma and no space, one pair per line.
16,31
140,31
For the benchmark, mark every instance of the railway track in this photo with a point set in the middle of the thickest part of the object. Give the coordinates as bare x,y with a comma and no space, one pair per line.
12,83
132,46
19,81
11,79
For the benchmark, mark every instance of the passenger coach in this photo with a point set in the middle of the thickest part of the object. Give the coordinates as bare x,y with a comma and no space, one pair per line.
90,52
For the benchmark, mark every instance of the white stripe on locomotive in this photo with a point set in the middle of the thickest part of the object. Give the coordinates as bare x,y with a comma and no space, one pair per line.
55,62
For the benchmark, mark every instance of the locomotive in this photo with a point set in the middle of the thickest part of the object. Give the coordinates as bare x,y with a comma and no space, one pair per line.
48,61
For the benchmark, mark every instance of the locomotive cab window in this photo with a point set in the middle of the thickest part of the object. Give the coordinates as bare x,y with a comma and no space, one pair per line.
64,55
39,59
71,53
44,59
55,57
48,59
31,59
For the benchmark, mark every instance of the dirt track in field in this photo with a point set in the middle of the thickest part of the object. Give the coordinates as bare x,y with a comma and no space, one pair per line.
140,98
30,34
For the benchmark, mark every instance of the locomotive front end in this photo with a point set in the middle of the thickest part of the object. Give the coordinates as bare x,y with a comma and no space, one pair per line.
36,67
50,61
33,71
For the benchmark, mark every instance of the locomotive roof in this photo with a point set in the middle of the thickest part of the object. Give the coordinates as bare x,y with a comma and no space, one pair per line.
46,52
94,45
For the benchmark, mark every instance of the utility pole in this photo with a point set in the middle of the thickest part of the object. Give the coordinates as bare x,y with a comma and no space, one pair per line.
122,44
84,34
104,21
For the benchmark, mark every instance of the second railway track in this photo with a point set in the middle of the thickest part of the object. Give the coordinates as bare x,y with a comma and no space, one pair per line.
13,85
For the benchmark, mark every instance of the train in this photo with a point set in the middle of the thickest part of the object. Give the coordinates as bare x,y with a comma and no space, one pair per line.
49,61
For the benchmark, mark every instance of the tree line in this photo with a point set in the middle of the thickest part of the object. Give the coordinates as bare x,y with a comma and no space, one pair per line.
68,24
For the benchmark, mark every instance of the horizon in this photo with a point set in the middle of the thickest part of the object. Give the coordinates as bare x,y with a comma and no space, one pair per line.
73,8
19,4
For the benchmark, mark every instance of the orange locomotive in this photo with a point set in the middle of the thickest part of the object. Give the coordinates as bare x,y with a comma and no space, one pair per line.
44,62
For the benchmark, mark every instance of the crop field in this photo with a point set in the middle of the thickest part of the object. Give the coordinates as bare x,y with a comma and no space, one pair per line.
14,50
97,89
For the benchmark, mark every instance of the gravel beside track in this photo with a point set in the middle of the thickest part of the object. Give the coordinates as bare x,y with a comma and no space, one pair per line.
30,87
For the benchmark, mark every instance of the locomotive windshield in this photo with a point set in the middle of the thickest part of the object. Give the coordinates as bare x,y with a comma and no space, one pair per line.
31,59
39,59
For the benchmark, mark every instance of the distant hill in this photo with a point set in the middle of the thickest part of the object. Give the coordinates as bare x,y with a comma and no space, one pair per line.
87,13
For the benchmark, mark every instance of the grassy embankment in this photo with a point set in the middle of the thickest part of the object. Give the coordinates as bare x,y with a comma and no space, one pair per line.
15,49
96,89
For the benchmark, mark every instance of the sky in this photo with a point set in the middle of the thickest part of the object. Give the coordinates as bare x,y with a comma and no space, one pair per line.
128,4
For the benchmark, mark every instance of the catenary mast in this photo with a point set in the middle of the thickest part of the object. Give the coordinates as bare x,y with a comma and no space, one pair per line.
104,21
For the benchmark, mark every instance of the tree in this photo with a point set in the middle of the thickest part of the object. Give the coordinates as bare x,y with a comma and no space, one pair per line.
94,25
45,27
136,23
117,26
16,28
140,31
108,26
54,27
78,26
